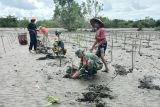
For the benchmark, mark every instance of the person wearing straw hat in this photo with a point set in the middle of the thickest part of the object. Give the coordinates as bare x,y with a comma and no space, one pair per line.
100,40
32,28
89,65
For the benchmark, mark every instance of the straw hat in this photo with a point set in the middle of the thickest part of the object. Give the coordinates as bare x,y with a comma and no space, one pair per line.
95,20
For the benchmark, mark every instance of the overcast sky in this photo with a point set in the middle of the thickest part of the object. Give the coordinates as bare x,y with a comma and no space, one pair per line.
120,9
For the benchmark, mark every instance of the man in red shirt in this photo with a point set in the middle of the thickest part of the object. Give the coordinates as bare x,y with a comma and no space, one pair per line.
100,40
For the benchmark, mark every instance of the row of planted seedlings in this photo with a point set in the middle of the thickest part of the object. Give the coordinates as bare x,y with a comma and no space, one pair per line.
130,41
80,40
124,37
8,38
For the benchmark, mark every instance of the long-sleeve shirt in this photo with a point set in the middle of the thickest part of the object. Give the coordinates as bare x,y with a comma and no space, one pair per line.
32,28
90,60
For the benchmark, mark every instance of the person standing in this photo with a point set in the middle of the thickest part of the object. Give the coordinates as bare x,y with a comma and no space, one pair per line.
32,28
44,31
100,41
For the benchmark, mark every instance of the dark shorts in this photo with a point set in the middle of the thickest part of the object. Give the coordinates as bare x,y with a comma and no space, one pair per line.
101,49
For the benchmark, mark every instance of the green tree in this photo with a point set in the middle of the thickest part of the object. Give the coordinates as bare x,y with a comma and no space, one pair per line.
48,23
157,23
9,21
23,23
69,14
150,21
92,8
106,21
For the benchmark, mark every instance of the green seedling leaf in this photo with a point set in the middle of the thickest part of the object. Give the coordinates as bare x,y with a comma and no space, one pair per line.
52,100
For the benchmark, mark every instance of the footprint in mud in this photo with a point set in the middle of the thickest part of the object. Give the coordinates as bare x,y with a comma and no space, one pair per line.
100,104
120,70
95,94
49,77
147,46
57,63
50,56
52,64
149,82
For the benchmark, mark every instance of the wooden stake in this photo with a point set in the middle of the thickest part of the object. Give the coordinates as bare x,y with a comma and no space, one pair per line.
8,41
124,42
132,55
149,40
112,50
116,37
3,43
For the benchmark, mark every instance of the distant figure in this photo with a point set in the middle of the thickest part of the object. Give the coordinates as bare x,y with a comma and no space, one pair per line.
100,41
32,28
44,30
89,65
59,44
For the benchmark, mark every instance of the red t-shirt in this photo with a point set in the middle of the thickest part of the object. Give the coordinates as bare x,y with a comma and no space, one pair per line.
100,35
44,30
84,62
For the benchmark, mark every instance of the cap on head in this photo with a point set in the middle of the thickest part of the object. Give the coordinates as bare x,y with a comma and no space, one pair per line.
33,18
57,33
78,52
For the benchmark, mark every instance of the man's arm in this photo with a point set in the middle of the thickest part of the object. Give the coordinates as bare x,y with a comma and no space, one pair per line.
93,46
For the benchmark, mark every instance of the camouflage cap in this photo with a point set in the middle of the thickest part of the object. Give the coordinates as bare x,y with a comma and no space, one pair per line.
78,52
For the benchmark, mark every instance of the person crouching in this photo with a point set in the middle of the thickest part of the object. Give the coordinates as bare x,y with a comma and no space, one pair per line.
89,65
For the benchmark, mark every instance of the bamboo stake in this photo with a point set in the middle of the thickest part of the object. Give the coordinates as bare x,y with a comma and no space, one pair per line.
140,45
132,55
112,50
8,41
116,37
3,43
86,41
149,40
79,40
69,38
124,42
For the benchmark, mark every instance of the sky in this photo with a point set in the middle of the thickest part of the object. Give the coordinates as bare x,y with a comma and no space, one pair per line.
113,9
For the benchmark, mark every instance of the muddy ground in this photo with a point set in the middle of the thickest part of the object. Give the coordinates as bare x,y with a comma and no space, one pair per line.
27,79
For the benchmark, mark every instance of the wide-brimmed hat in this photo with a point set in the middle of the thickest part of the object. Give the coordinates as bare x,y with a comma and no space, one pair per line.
96,20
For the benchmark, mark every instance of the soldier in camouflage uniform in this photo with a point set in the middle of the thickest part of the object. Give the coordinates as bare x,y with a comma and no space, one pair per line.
89,65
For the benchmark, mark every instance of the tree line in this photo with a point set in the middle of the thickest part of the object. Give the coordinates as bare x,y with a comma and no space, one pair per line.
11,21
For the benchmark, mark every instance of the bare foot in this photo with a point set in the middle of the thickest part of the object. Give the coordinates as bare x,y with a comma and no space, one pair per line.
106,71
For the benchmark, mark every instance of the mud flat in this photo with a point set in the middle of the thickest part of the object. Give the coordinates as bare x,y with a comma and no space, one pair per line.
26,81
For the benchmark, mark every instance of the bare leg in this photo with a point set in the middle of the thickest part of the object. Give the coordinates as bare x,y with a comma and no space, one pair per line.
105,63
